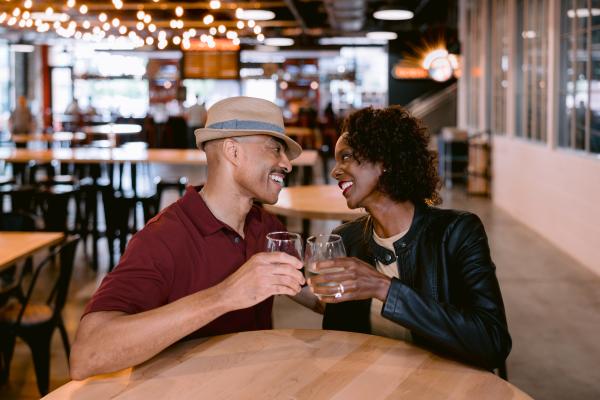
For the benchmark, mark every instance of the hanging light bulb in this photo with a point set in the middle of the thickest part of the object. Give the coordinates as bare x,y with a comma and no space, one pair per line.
116,22
176,40
208,19
221,29
239,12
173,24
139,26
86,24
212,31
83,9
192,32
26,15
215,4
251,23
162,44
140,14
16,12
151,27
56,24
236,41
147,18
27,4
149,40
179,11
102,17
257,30
180,24
29,23
122,29
106,26
49,11
240,24
71,3
260,37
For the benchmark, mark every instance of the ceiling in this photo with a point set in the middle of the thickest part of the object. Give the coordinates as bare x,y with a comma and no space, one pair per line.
304,20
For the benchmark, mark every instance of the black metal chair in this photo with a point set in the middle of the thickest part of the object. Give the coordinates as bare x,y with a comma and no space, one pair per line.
35,322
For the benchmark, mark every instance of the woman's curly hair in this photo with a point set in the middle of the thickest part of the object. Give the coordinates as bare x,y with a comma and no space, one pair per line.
397,140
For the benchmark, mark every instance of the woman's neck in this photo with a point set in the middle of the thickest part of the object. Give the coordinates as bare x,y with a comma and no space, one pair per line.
391,217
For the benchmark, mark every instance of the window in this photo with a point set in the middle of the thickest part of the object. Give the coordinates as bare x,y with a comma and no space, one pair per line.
499,64
473,66
533,54
579,110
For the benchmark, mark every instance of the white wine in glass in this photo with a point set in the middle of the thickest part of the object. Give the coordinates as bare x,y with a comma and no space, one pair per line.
324,247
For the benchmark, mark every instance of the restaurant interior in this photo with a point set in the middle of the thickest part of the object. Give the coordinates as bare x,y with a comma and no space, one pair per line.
99,101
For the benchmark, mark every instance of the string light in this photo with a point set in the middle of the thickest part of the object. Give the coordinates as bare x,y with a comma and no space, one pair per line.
139,26
140,14
149,40
147,18
208,19
16,12
116,22
26,15
257,29
151,27
86,24
215,4
240,24
71,3
106,26
221,29
83,9
212,31
176,40
27,4
102,17
179,11
251,23
122,29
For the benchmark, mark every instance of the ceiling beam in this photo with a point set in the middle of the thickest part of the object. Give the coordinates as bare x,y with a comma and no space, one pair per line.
292,7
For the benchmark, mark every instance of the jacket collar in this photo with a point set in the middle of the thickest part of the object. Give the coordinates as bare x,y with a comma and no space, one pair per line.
386,256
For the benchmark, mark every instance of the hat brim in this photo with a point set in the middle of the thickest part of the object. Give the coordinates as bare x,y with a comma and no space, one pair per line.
203,135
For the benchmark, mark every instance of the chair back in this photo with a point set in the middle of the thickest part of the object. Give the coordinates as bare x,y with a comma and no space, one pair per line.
58,295
17,221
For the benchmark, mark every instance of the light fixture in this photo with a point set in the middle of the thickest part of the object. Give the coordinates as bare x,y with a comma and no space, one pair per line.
583,12
140,14
27,4
179,11
42,16
208,19
83,9
152,28
21,48
240,24
382,35
116,22
432,55
393,14
256,15
221,29
71,3
350,41
212,31
279,41
102,17
215,4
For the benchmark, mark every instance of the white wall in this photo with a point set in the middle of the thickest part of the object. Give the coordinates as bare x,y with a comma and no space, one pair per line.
554,192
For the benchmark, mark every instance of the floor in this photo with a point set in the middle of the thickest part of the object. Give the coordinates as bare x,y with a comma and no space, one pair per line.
552,303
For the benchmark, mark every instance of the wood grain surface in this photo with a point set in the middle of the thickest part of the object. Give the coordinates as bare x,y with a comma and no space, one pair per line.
17,245
308,158
294,364
313,202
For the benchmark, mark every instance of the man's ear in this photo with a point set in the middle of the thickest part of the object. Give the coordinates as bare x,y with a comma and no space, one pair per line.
232,150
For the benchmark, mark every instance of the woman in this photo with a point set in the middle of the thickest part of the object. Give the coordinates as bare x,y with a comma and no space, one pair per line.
413,271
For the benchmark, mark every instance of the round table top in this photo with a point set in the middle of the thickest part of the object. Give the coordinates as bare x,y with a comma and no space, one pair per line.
313,202
294,364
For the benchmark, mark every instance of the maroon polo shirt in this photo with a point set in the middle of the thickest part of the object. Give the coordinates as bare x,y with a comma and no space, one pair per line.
181,251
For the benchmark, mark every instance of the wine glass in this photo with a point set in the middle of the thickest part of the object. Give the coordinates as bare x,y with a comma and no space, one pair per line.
324,247
286,242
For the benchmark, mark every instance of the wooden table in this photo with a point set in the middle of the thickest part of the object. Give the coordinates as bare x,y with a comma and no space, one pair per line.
294,364
313,202
48,137
17,245
130,154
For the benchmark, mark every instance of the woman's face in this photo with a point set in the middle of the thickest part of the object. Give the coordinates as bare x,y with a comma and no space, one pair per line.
357,180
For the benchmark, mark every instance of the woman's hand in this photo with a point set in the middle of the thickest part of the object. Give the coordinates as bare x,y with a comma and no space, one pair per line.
358,279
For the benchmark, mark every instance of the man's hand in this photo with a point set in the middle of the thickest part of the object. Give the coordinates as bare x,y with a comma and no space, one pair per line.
359,280
262,276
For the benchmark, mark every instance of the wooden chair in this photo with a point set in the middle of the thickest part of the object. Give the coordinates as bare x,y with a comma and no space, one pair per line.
35,322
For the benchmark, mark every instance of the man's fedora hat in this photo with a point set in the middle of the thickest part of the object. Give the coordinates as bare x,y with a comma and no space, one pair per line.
245,116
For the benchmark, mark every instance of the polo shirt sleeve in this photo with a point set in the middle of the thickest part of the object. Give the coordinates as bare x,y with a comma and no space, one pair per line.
140,282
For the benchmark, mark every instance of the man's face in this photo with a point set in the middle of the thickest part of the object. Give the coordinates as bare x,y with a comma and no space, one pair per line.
263,167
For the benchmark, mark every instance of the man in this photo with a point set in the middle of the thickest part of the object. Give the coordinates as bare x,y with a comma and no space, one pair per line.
197,269
21,120
196,118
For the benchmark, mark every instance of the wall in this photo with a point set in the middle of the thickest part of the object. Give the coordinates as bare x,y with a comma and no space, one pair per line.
554,192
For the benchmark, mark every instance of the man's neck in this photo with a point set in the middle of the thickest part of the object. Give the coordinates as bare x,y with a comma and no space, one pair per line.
229,207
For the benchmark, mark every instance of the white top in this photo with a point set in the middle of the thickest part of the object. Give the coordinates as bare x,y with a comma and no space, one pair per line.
380,325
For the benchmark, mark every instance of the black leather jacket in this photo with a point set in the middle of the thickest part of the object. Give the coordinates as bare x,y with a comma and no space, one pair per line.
447,295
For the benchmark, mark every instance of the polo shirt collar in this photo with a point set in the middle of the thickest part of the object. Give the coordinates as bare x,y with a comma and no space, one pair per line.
207,224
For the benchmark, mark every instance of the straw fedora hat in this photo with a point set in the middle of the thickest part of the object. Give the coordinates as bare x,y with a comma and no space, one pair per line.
245,116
